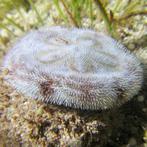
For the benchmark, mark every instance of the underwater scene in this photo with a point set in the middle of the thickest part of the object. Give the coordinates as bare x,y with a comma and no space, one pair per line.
73,73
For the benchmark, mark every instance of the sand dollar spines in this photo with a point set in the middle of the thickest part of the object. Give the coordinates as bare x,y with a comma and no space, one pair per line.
74,67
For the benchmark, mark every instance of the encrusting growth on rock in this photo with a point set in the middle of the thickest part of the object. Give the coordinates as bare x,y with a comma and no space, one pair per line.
73,67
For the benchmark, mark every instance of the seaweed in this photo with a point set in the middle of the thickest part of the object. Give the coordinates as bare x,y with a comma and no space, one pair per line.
74,12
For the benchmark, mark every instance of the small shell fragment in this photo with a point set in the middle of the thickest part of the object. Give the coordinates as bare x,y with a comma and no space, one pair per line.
79,68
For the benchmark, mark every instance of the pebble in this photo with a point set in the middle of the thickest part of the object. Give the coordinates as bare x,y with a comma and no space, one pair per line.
132,141
140,99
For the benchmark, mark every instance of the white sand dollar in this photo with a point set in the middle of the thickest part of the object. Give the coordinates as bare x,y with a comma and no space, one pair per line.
74,67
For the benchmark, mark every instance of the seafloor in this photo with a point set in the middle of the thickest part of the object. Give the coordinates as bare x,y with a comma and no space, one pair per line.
29,123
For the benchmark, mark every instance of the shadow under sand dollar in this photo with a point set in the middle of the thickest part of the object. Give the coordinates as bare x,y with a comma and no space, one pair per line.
145,80
121,125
